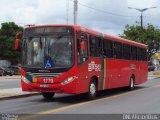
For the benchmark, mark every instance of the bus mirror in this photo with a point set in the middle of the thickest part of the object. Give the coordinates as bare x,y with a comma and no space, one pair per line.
18,35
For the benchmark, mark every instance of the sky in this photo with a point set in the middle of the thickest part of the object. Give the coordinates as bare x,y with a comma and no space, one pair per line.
106,16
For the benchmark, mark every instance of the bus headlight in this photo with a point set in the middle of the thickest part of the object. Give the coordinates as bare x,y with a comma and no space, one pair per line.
25,79
68,80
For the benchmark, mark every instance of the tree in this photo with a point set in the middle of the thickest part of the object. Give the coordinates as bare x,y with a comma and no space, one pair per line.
149,35
7,39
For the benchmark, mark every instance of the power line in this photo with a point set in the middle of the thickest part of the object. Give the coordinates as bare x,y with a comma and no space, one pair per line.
104,11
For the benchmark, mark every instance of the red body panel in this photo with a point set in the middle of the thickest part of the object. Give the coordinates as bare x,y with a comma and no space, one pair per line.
118,73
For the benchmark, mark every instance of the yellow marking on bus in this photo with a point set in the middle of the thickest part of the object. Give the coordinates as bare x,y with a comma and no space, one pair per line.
104,81
83,103
34,80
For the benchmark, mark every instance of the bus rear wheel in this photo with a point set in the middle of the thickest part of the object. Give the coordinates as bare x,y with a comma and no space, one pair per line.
48,95
92,89
132,83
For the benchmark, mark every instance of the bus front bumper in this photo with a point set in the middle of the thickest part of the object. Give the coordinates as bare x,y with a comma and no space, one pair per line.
56,88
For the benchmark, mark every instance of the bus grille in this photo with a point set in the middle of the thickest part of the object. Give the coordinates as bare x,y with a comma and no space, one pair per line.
41,75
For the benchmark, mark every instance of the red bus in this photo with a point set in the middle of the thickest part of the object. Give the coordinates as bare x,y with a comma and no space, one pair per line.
73,59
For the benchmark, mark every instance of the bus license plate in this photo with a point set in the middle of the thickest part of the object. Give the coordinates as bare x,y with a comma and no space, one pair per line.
44,85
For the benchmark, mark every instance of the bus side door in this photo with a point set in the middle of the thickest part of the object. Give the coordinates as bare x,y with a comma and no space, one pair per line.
82,50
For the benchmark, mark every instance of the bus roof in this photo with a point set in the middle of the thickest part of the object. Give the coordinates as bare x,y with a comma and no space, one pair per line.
119,39
114,38
107,36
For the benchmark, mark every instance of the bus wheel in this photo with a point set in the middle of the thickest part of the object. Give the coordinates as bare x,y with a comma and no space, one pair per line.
47,95
131,86
92,89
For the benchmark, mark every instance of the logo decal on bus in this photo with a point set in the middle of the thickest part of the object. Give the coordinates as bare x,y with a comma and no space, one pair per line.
132,66
48,64
93,66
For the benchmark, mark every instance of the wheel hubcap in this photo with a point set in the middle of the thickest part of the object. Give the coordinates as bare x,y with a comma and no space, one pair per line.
92,89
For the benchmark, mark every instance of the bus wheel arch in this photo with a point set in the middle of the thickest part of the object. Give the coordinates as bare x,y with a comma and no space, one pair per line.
96,80
93,87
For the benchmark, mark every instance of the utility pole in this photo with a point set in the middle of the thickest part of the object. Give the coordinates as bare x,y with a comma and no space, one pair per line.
141,20
67,11
75,11
141,10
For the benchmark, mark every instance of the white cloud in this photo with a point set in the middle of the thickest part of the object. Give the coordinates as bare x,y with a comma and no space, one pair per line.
142,3
54,12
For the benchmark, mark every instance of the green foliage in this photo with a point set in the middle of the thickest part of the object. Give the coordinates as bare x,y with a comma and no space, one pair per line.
149,35
7,40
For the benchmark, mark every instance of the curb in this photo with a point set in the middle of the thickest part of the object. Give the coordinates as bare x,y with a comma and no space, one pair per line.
156,73
8,77
18,96
155,76
12,77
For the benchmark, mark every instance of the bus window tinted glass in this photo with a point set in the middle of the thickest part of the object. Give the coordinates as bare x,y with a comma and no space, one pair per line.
95,46
108,48
126,51
118,50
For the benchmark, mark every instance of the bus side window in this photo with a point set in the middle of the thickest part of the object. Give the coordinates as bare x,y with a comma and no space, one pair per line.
144,54
117,50
82,46
108,48
133,53
126,52
95,46
139,53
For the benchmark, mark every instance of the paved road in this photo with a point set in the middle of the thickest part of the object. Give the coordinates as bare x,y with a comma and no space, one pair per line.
144,99
9,83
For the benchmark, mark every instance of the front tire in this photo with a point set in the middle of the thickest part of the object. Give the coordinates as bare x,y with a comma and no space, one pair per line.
48,96
92,89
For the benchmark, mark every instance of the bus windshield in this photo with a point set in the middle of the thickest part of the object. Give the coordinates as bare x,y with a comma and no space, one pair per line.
48,52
